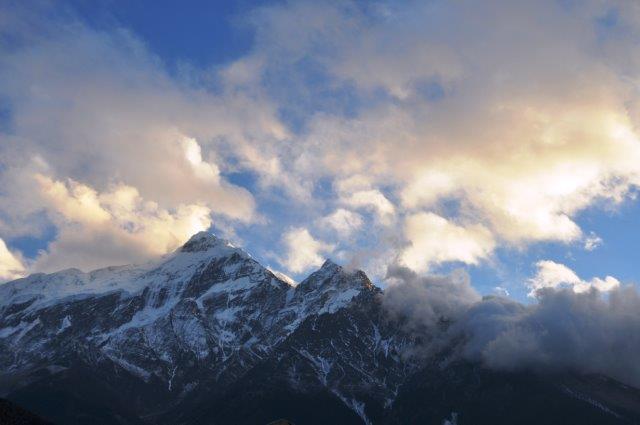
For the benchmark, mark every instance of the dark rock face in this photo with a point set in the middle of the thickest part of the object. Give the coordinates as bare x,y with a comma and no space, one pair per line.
208,335
12,414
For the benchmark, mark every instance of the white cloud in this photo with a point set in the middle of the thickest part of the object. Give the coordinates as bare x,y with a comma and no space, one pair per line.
11,266
373,200
434,240
303,251
343,221
555,275
203,170
109,113
127,154
521,145
478,117
592,242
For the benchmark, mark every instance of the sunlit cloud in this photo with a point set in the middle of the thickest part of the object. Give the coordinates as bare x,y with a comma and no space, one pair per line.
521,146
555,275
117,226
11,266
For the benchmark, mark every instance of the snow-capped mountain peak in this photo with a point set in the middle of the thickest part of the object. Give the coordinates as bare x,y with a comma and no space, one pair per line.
333,276
204,241
208,299
204,333
329,265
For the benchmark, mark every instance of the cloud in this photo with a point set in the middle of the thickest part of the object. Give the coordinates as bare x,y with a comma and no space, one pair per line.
373,200
477,116
112,113
203,170
117,226
424,302
11,265
563,331
555,275
403,109
343,221
356,191
592,242
303,251
106,114
434,240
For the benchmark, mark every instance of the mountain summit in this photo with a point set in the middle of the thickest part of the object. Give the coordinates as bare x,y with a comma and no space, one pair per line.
206,334
204,241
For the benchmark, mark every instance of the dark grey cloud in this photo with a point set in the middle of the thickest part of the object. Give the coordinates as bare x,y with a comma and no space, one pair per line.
588,332
427,305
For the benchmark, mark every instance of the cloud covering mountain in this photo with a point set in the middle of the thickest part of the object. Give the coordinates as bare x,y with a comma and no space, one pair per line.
587,331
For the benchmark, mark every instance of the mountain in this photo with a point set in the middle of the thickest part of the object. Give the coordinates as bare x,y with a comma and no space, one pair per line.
10,414
207,335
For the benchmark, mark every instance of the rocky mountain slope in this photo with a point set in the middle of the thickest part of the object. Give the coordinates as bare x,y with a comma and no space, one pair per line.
10,414
207,335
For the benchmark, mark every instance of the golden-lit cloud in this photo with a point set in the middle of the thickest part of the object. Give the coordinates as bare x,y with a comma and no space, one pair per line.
11,265
109,113
531,187
98,229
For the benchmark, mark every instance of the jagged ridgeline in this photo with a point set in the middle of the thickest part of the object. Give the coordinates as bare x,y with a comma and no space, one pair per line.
207,335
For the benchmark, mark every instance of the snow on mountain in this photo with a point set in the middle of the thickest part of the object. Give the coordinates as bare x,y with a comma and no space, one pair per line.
208,301
45,289
208,335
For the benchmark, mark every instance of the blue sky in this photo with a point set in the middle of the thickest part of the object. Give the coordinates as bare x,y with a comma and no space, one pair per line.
369,132
201,33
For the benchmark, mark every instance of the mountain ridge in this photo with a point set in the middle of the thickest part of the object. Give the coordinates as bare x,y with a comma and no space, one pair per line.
208,301
206,335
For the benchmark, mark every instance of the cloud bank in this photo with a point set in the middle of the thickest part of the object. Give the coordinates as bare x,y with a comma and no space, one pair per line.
481,116
564,330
